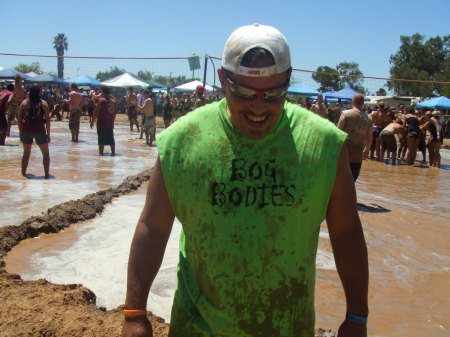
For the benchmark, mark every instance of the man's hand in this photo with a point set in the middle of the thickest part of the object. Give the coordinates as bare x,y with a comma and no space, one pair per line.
137,327
48,138
351,329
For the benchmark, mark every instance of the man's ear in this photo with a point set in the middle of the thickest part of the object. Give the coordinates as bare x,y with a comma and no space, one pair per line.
222,80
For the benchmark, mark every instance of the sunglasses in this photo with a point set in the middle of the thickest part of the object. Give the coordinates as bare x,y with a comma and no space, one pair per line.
249,94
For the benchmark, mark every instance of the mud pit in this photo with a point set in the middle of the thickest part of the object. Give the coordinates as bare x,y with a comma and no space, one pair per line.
41,308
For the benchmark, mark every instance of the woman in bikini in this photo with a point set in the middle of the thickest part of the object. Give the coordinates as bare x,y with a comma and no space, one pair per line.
34,123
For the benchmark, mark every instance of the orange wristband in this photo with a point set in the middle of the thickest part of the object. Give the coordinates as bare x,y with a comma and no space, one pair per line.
134,313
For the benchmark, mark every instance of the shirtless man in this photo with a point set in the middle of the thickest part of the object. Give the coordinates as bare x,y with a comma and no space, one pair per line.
132,109
358,125
75,102
319,107
14,101
380,120
388,141
149,118
4,97
201,101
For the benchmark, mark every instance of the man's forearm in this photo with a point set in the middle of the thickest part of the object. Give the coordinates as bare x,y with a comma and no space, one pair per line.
146,255
350,253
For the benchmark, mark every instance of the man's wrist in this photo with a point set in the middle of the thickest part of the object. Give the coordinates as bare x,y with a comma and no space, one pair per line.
356,318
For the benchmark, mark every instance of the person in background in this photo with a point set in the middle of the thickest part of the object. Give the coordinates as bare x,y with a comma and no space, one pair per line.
12,106
75,102
380,119
388,141
4,97
319,107
149,125
168,111
132,109
34,123
251,178
413,136
200,92
105,115
435,141
358,125
423,123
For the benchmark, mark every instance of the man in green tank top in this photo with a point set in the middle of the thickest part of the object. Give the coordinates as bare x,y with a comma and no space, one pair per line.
251,178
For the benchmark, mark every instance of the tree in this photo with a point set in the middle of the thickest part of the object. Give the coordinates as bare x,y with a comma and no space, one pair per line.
112,72
330,82
327,82
418,59
26,68
381,92
351,68
60,44
145,75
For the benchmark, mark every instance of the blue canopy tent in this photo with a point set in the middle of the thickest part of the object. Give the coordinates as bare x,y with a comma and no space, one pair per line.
10,73
45,78
302,89
346,93
83,80
328,97
441,102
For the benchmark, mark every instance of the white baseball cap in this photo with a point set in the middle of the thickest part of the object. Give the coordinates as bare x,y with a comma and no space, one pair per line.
247,37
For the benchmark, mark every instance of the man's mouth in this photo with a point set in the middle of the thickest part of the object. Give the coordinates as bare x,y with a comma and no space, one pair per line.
256,119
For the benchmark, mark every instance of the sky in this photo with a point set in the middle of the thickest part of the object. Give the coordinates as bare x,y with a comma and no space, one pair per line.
319,32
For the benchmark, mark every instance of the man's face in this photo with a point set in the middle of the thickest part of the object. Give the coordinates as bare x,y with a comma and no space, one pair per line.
319,99
254,118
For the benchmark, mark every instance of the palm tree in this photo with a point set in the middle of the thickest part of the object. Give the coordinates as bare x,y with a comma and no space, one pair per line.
60,44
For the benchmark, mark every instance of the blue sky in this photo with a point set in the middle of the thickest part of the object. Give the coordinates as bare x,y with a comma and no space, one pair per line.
319,32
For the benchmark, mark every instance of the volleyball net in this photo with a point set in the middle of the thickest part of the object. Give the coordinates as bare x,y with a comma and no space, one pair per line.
178,68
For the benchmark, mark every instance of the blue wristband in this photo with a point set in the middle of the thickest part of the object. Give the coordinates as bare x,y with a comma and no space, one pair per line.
356,318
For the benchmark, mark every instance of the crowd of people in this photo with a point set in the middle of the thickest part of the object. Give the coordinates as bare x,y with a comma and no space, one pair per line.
33,107
397,133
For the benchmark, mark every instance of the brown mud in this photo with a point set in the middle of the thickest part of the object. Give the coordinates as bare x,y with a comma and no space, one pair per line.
41,308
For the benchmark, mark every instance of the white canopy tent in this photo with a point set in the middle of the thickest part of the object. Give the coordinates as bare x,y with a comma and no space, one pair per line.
125,80
31,74
192,86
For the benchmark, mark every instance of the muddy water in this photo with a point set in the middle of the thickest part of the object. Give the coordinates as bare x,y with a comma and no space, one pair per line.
405,218
75,169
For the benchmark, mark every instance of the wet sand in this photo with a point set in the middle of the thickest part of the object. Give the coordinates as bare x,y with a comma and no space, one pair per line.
406,229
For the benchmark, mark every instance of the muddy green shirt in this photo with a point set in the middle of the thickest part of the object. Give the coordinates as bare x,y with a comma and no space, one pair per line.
251,212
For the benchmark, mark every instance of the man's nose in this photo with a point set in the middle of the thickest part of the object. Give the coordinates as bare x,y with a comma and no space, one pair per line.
257,106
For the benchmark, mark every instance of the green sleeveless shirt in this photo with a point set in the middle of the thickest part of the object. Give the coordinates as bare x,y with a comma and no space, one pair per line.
251,212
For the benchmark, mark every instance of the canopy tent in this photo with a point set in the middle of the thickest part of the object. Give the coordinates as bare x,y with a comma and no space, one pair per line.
125,80
441,102
83,80
45,78
192,86
156,90
346,93
302,89
10,73
31,74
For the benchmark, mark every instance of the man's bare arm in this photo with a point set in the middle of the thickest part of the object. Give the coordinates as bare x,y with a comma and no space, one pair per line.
341,122
349,246
147,249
